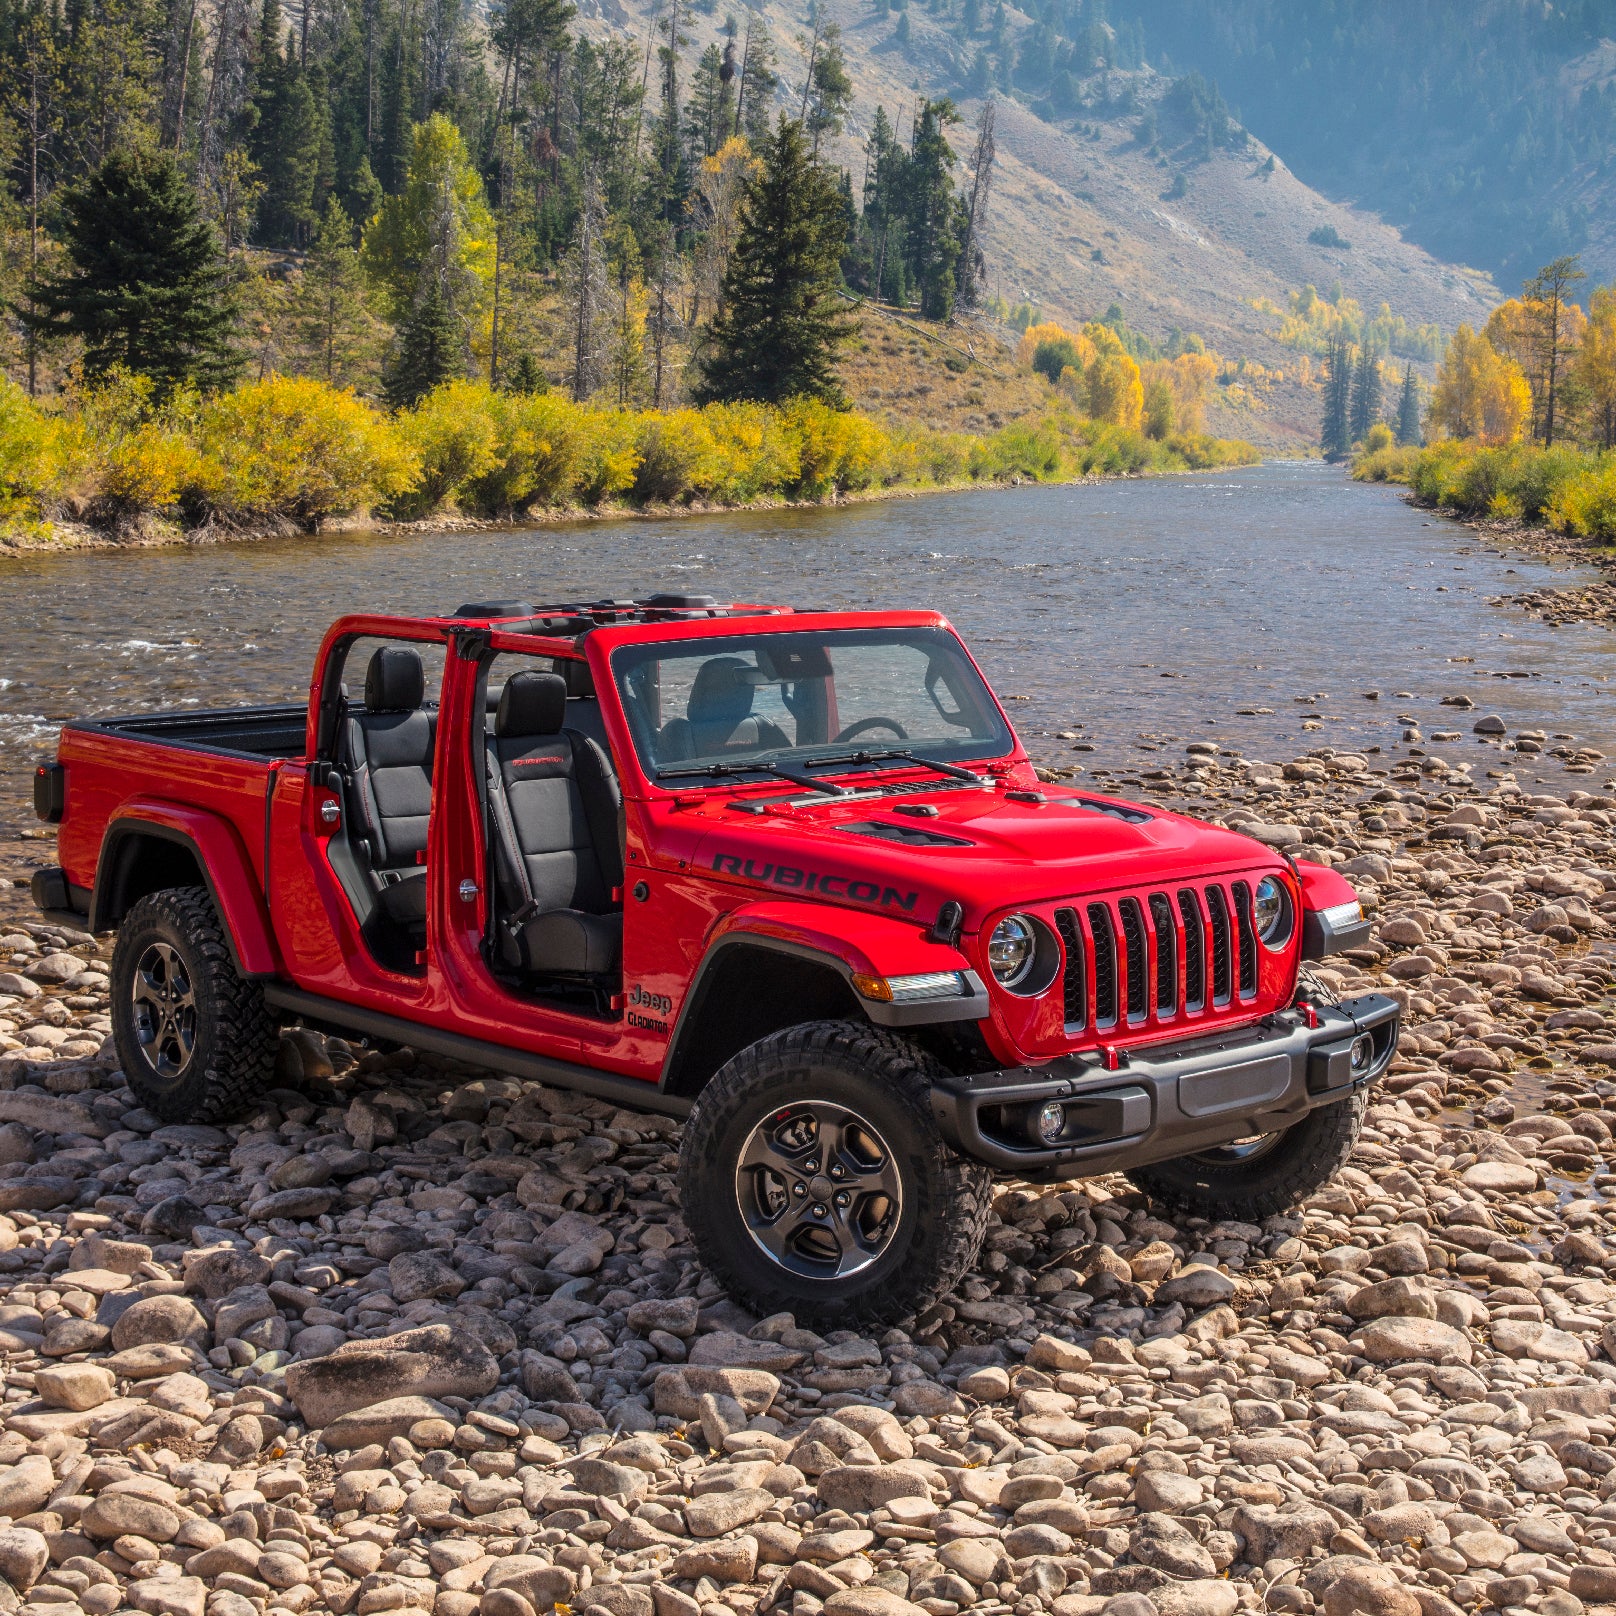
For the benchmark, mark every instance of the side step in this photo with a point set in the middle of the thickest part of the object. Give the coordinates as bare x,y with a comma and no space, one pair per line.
633,1093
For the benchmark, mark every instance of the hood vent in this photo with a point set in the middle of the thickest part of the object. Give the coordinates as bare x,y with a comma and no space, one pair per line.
907,835
1112,810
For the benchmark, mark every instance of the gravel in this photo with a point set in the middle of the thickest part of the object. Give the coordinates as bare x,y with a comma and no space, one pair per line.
413,1338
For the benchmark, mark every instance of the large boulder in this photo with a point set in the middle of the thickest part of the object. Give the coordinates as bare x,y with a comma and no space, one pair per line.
433,1361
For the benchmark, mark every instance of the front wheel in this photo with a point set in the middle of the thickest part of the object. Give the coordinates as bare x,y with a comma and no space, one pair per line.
194,1038
1255,1178
814,1179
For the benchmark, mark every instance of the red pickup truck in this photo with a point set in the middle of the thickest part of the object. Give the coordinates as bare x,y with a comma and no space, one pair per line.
788,875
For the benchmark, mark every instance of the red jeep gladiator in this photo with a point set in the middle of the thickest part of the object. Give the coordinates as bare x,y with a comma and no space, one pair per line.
787,875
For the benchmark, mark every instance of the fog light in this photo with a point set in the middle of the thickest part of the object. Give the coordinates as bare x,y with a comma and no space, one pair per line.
1049,1121
1363,1054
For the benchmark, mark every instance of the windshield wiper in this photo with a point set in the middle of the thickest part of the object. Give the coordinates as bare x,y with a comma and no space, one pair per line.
895,755
717,771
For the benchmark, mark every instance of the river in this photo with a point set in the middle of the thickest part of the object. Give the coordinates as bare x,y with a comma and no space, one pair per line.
1134,616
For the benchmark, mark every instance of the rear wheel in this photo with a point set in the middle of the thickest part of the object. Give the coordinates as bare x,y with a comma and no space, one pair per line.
1259,1176
814,1180
194,1038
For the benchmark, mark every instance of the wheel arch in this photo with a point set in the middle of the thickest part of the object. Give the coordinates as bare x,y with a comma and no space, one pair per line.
777,964
747,987
141,855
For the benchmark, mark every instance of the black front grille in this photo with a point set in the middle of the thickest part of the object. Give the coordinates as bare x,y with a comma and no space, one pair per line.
1161,919
1248,939
1189,906
1222,978
1138,957
1074,981
1133,942
1105,965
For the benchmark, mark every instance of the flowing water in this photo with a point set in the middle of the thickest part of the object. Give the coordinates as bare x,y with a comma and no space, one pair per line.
1133,616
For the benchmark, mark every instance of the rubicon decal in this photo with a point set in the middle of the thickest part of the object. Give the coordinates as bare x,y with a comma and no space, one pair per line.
800,880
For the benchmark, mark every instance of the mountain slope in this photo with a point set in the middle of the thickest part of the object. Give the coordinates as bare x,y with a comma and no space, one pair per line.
1487,131
1078,219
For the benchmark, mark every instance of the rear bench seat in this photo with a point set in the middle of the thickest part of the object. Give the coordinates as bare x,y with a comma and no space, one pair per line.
387,770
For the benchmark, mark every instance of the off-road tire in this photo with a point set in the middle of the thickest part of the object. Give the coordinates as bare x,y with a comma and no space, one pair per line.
880,1077
1301,1160
232,1055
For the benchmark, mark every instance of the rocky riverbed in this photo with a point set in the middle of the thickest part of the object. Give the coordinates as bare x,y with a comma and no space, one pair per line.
417,1339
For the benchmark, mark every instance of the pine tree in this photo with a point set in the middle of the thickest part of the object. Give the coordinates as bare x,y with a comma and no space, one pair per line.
288,130
1366,393
1408,408
430,349
144,286
781,325
755,95
934,214
829,89
1335,437
526,375
330,309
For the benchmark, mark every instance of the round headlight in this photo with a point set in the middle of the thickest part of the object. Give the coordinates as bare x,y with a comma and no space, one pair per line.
1271,912
1011,950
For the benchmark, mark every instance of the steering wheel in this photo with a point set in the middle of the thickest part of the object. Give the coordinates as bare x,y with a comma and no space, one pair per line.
877,722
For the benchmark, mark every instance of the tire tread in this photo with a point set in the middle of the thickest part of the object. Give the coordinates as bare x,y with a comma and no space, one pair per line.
903,1070
247,1036
1311,1154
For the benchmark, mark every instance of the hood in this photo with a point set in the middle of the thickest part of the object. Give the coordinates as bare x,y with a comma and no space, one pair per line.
985,849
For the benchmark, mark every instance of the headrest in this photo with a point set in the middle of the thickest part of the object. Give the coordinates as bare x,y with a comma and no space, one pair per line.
580,681
531,704
721,693
395,681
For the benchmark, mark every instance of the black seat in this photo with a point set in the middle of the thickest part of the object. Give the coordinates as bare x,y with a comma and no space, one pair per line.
387,768
718,716
556,809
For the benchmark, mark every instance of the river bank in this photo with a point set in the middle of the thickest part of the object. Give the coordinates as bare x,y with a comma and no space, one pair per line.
1397,1400
65,538
289,454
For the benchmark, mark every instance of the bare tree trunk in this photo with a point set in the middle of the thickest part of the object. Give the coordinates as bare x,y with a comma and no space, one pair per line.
645,84
499,216
33,217
659,334
808,77
740,89
976,215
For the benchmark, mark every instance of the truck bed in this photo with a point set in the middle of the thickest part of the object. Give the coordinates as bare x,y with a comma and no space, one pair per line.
258,732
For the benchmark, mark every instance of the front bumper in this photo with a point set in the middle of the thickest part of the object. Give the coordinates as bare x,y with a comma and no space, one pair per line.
1169,1101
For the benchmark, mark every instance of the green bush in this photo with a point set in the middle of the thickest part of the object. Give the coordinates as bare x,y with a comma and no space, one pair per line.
1055,354
1586,504
1516,480
1392,465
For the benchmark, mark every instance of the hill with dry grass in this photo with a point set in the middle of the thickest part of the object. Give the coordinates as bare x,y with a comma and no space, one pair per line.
1081,219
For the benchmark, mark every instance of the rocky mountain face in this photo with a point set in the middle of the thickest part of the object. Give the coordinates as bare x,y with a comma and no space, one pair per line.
1082,216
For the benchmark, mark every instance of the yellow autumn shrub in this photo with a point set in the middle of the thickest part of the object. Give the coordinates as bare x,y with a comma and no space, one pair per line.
455,435
609,454
753,455
31,458
132,454
295,447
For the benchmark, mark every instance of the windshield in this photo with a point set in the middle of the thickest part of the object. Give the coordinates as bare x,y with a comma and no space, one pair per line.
795,697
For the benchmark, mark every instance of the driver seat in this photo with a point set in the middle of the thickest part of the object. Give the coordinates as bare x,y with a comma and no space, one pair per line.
719,715
556,808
